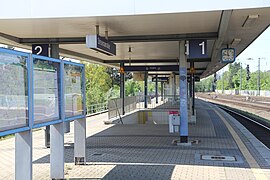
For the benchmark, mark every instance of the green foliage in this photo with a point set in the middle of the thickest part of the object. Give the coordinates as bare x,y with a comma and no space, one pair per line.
231,79
98,83
132,87
102,83
205,85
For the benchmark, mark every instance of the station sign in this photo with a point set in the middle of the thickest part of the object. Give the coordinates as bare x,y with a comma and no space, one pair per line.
152,68
227,55
160,79
101,44
197,49
40,49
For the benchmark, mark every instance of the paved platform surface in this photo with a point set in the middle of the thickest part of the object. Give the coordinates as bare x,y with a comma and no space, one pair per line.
146,151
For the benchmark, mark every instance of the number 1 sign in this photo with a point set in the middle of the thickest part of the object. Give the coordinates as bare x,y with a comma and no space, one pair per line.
198,49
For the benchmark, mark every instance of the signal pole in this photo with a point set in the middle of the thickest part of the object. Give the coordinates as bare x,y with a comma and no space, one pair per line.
259,78
240,78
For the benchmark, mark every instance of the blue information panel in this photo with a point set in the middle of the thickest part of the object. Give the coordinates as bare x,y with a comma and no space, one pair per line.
46,90
34,89
197,49
73,90
13,90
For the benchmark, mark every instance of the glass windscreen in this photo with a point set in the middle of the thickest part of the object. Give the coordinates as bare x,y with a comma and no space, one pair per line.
13,91
73,90
46,94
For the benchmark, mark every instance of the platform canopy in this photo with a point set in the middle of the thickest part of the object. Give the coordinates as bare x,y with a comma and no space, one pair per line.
150,31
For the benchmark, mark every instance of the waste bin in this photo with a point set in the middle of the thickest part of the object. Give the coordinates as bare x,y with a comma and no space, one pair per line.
174,121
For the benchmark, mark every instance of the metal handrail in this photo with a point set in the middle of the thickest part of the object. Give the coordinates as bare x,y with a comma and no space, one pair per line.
137,102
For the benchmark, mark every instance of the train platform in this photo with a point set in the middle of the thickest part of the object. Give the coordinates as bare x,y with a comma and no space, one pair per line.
221,148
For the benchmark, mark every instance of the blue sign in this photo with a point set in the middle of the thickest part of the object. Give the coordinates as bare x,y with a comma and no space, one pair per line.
197,49
152,68
40,49
101,44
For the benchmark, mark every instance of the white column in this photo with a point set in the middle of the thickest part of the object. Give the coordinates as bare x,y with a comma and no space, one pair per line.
23,155
171,84
79,141
57,151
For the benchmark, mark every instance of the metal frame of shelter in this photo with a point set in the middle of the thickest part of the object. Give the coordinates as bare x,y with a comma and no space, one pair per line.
23,128
30,124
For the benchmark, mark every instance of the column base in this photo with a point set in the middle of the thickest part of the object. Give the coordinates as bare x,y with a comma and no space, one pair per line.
183,139
79,160
178,142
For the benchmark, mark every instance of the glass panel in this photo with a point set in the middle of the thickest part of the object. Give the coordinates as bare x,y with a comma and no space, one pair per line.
13,91
73,91
46,95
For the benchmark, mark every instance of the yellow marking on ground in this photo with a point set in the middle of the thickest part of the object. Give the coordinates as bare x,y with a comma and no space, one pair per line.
256,169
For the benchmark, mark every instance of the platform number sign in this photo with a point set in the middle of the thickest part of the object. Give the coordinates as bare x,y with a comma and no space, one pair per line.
198,49
40,49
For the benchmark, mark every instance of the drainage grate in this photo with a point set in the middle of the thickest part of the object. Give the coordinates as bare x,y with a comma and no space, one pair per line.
97,154
218,158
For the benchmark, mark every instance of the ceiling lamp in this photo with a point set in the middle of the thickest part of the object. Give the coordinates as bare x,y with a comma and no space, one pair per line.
250,20
235,42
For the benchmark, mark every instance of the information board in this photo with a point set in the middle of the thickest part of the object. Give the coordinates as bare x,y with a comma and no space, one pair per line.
73,90
34,89
13,91
46,86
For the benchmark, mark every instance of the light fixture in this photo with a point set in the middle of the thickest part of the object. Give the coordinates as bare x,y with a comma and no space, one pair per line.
235,42
250,20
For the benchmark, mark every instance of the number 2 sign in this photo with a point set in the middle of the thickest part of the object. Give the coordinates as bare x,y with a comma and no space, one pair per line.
198,49
40,49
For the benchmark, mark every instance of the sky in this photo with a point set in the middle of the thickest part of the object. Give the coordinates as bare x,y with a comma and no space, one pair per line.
260,48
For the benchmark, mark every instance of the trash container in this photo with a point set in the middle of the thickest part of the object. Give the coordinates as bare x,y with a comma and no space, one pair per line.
174,121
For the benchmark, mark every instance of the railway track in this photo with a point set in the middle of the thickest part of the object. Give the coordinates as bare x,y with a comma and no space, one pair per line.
259,129
237,101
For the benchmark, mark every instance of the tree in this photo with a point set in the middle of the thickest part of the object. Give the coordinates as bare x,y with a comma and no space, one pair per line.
233,71
132,87
98,82
251,84
205,85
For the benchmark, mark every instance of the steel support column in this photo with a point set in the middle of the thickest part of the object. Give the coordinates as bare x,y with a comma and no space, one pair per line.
162,91
156,88
192,83
183,93
145,88
122,88
174,86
